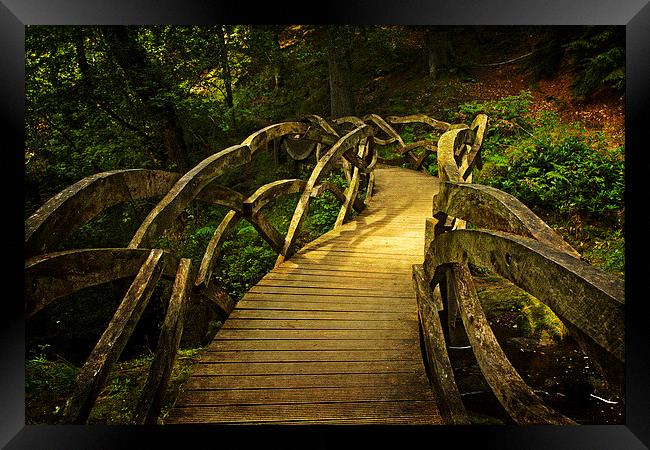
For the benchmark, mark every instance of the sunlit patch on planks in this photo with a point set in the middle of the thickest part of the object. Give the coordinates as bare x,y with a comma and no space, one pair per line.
330,336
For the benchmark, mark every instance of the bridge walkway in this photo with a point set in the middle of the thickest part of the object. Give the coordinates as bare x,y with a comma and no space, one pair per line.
331,335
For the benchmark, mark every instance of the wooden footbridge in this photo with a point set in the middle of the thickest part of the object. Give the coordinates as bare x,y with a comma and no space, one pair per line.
354,326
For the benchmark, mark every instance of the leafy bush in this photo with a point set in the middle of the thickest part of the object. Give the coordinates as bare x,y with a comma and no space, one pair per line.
599,54
245,259
564,176
546,164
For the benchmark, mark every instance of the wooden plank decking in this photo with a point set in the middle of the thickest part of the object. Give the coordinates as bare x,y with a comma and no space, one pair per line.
331,335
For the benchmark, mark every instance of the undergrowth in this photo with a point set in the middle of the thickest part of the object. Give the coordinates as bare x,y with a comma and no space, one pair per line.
49,380
569,176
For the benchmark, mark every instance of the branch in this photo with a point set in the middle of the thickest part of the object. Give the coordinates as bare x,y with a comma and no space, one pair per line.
503,62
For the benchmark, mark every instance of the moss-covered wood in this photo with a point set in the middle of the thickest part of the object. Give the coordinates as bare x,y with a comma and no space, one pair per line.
324,165
185,190
82,201
577,292
441,375
488,207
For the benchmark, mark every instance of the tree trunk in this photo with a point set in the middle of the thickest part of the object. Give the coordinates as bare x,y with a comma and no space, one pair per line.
440,52
277,65
225,71
340,68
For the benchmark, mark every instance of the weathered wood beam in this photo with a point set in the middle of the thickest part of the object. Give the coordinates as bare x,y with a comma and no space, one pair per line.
420,118
590,299
386,128
356,161
266,231
94,372
479,126
448,143
327,186
353,187
298,148
151,397
422,158
413,145
355,121
260,139
81,202
371,186
441,374
517,398
488,207
322,123
323,166
213,248
55,275
189,187
218,298
270,192
473,158
215,194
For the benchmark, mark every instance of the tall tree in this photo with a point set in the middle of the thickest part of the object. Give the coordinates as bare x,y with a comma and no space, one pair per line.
339,40
222,33
440,51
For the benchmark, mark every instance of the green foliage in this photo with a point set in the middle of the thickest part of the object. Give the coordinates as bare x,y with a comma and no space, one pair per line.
49,382
245,260
608,251
502,112
547,165
568,177
324,210
565,175
599,53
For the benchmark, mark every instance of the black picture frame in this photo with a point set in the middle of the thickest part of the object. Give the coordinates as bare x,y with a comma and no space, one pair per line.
633,14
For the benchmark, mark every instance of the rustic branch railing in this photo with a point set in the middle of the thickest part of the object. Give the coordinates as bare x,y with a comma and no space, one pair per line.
521,248
51,274
347,142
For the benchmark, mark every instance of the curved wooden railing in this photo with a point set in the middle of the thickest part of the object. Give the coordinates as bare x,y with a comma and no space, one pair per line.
514,243
51,273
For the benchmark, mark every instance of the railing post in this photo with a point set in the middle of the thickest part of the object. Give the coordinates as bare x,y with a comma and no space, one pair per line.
151,398
94,372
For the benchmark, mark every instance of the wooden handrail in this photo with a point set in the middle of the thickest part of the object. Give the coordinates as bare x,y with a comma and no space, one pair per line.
53,275
81,202
151,397
94,372
520,247
324,166
579,293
